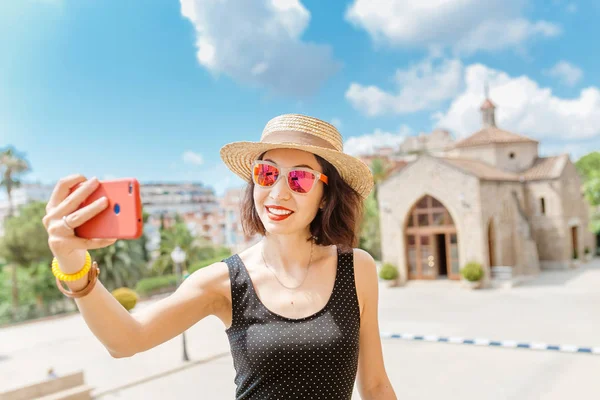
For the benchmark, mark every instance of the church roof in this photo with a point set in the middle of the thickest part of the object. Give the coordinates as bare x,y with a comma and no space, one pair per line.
546,167
491,135
480,169
542,168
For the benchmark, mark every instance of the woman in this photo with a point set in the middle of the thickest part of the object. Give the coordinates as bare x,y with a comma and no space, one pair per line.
299,307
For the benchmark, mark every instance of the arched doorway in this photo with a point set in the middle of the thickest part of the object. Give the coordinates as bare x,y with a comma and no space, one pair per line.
431,241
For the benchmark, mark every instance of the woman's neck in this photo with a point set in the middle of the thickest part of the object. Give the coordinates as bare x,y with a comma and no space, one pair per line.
287,252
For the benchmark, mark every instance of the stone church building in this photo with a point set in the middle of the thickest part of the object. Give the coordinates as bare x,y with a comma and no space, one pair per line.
491,199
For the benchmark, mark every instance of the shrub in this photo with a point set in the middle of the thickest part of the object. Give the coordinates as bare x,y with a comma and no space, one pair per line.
586,250
388,272
472,272
154,284
127,297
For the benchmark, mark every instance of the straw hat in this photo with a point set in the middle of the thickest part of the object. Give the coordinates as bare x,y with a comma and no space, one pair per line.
295,131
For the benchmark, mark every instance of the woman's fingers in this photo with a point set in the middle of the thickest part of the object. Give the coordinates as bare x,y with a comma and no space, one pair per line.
62,189
86,213
73,200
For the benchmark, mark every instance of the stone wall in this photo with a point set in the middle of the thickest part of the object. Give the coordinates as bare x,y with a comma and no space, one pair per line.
514,246
524,155
486,154
456,190
548,228
575,212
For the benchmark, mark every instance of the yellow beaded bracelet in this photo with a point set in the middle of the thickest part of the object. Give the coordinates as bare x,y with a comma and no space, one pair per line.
75,276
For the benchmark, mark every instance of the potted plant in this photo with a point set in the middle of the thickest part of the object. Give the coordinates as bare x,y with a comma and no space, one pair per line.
472,275
588,255
388,272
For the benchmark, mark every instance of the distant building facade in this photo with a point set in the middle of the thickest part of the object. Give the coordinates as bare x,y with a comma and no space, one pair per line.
211,218
207,216
489,198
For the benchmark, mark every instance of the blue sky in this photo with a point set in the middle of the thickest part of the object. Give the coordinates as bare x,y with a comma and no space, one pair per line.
153,89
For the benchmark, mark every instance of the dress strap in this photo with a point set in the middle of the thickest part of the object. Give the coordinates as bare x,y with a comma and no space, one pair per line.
240,295
345,282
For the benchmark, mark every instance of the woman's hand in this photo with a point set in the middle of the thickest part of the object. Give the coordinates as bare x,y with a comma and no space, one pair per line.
65,245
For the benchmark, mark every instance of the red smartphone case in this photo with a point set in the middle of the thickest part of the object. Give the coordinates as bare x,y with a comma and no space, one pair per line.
122,218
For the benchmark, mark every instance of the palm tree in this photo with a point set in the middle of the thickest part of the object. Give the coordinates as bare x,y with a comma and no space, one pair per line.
379,170
11,166
370,236
171,237
122,264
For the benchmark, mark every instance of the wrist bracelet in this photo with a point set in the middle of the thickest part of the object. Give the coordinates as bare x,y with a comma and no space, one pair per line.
75,276
92,279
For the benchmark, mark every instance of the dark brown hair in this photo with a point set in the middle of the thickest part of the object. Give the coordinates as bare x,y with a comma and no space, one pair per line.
337,223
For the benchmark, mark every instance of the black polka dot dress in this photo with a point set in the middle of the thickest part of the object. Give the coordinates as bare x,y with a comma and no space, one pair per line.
275,357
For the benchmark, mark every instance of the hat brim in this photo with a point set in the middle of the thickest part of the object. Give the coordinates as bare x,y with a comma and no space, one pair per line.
239,156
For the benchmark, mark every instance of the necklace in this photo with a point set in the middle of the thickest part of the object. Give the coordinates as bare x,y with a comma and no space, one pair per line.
273,272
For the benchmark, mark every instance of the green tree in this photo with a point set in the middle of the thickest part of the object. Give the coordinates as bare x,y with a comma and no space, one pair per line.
12,165
591,187
370,234
43,284
144,239
588,164
25,241
588,167
123,264
379,170
176,235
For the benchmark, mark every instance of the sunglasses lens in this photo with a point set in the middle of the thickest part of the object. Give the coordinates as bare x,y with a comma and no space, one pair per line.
265,175
301,181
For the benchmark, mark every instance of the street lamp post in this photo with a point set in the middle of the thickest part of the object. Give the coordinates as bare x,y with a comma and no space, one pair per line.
178,256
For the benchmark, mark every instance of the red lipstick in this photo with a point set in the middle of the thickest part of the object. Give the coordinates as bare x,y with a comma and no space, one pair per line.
278,217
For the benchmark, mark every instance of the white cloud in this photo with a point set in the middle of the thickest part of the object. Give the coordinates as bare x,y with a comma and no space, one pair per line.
189,157
337,123
420,87
522,107
466,26
259,43
567,73
368,144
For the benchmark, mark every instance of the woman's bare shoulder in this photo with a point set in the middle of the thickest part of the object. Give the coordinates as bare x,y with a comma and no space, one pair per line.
214,277
365,277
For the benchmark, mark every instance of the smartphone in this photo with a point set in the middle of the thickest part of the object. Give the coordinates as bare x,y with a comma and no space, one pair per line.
122,218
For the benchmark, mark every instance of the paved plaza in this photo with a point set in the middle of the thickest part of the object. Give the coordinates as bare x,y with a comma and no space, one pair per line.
559,307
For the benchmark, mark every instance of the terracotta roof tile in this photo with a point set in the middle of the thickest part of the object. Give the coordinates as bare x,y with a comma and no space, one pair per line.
546,167
481,169
542,168
492,135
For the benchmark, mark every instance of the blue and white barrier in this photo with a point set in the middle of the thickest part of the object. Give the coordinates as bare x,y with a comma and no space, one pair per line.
493,343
